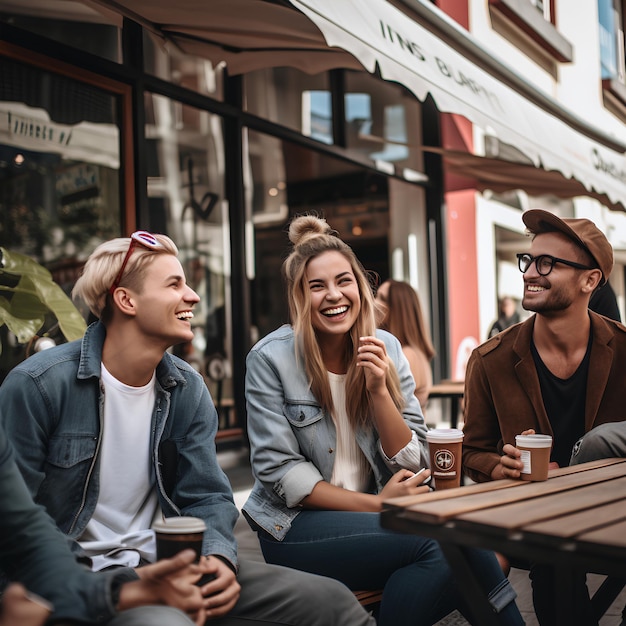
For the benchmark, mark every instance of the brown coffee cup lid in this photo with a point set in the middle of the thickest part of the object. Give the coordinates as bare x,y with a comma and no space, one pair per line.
178,525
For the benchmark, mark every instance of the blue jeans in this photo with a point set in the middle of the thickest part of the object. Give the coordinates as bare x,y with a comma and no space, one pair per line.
418,585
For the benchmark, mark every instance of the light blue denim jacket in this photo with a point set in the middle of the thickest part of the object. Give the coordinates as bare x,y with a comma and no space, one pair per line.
292,441
51,406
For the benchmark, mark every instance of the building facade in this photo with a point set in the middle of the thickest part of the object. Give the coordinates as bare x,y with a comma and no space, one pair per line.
419,130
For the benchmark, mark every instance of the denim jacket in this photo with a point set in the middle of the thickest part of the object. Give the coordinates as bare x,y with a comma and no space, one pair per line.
293,441
52,406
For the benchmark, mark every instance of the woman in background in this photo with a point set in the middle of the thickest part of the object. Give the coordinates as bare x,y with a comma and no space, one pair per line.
403,318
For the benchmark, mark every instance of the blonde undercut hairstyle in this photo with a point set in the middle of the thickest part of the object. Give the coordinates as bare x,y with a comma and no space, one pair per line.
103,266
312,236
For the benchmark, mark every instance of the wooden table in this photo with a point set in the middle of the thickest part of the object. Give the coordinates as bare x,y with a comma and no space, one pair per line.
576,521
452,390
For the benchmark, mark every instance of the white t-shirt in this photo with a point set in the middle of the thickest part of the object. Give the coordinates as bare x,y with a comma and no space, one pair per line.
351,470
119,531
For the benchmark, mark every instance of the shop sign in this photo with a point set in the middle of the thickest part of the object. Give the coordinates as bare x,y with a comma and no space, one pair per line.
46,132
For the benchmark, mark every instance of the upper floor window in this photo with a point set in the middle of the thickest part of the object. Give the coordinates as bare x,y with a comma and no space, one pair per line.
543,6
612,58
535,20
611,25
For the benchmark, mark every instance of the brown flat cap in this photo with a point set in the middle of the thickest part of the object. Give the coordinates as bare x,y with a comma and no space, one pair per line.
582,231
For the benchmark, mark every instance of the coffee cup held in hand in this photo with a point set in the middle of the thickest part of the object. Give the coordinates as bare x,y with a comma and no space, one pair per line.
535,451
445,446
174,534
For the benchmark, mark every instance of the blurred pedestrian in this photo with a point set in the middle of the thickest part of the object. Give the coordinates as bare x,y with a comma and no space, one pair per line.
507,316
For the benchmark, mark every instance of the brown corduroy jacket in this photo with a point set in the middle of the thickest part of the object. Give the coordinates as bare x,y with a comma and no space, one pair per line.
503,396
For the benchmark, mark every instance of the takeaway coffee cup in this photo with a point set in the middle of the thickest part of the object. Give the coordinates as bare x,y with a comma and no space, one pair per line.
444,445
174,534
535,451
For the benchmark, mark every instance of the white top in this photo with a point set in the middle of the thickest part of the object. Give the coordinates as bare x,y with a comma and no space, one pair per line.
351,469
119,531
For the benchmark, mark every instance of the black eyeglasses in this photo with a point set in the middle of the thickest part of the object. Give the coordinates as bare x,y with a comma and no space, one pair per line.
544,263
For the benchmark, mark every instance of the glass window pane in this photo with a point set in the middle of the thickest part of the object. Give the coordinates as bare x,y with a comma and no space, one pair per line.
191,72
70,23
59,195
186,201
383,121
283,179
292,98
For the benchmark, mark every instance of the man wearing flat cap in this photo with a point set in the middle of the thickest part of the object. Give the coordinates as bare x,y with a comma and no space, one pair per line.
559,373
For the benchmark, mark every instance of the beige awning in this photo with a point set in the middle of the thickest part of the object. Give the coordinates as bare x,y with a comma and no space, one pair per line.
385,39
323,34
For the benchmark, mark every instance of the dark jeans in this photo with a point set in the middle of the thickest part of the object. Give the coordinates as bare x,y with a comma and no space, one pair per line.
419,588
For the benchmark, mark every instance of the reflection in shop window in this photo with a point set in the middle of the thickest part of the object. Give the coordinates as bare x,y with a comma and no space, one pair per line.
186,200
59,177
382,121
317,118
292,98
172,65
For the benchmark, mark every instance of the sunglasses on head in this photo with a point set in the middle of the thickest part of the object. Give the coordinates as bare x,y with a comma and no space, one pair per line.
142,238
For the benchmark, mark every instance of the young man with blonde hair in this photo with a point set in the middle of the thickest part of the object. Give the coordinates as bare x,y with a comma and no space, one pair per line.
112,430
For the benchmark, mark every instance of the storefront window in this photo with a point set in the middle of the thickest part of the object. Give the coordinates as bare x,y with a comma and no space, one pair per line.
292,98
283,179
71,23
191,72
59,176
382,121
186,201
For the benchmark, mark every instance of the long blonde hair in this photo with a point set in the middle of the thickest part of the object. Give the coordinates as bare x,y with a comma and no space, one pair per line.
312,236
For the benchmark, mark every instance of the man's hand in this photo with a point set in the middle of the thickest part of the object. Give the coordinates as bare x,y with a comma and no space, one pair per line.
21,608
510,464
221,593
168,581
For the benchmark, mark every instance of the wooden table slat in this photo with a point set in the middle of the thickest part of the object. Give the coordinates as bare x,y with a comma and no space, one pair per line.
614,534
438,511
578,523
493,485
553,506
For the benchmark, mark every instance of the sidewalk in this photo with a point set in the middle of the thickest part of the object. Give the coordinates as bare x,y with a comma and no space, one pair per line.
237,467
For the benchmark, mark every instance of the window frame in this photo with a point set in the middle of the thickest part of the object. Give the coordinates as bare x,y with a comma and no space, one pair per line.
525,17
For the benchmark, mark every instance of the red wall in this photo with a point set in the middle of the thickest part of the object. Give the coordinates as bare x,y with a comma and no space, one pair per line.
460,215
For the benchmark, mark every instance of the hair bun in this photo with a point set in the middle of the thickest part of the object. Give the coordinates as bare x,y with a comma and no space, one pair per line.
306,226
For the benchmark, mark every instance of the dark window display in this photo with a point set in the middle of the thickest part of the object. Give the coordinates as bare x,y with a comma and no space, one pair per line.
284,179
186,201
59,179
70,23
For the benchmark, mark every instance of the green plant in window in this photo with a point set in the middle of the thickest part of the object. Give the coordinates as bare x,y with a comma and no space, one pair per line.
28,295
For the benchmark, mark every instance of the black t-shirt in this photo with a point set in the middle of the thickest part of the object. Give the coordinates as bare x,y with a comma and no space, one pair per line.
564,401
